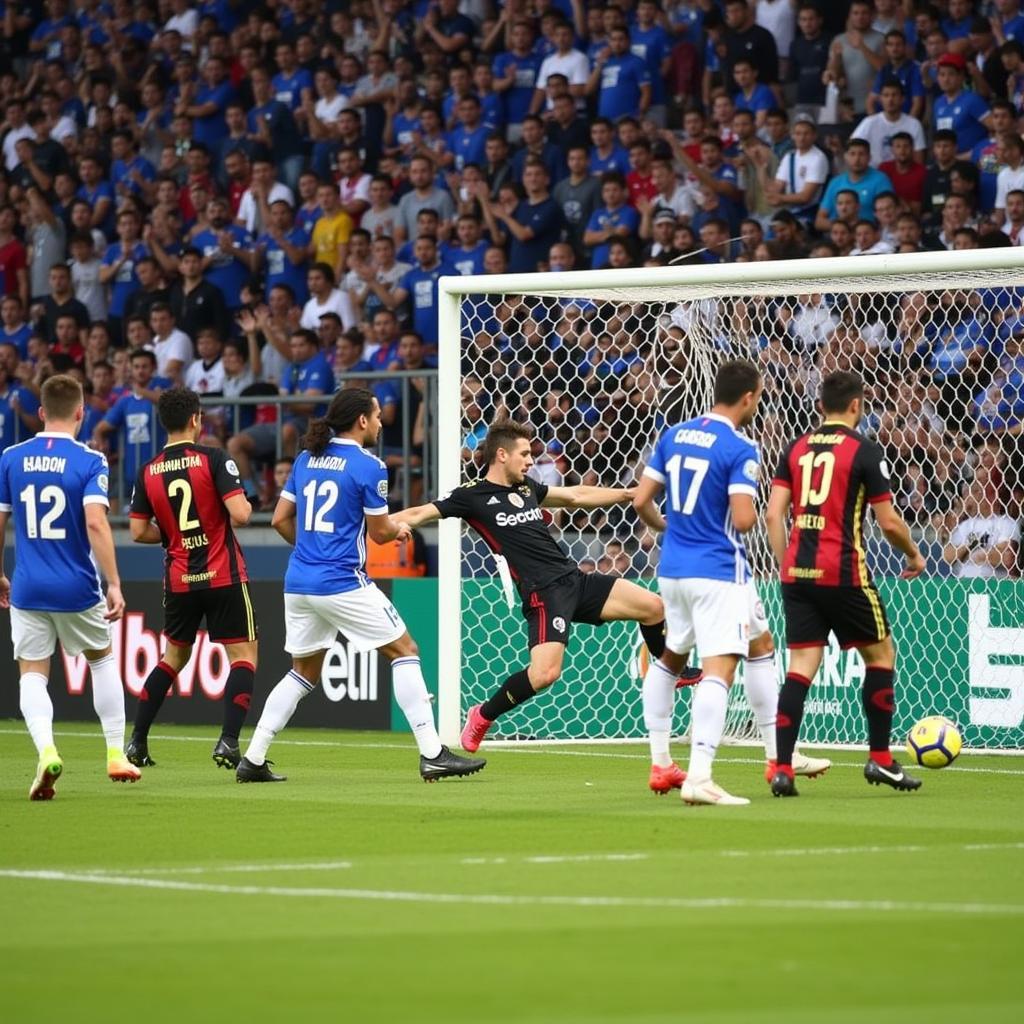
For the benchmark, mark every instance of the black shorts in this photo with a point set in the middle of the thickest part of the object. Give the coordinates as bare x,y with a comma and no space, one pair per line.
576,597
228,611
855,614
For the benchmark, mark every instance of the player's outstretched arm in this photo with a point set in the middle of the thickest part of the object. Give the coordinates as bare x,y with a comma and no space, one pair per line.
418,515
891,523
101,540
384,529
645,503
587,497
776,521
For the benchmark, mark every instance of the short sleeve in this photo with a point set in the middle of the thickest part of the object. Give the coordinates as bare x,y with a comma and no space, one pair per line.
744,471
375,489
783,474
455,504
225,475
140,506
289,490
540,491
97,482
874,473
5,488
655,468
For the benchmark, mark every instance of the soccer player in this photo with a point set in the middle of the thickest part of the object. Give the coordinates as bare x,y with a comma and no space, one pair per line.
188,499
710,469
828,477
505,510
337,492
55,489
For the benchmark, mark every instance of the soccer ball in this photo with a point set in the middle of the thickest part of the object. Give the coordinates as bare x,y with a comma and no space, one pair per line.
934,742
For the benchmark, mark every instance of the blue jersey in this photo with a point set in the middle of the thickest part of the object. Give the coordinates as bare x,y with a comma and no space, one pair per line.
45,483
12,430
701,463
333,493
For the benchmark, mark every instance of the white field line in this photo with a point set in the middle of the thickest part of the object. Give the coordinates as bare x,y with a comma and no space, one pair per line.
213,869
580,858
510,748
659,903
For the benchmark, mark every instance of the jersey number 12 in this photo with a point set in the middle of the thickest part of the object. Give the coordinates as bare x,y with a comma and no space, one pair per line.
316,518
42,527
699,469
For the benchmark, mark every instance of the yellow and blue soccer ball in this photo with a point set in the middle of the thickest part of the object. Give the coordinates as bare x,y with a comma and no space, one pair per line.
934,742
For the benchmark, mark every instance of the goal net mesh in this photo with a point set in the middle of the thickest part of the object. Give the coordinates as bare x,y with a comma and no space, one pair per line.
600,372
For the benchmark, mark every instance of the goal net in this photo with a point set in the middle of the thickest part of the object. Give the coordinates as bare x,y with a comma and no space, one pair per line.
601,362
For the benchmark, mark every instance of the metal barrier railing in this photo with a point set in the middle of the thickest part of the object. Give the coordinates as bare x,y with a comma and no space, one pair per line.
132,445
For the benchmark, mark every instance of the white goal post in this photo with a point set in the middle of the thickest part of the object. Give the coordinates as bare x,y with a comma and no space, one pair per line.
620,353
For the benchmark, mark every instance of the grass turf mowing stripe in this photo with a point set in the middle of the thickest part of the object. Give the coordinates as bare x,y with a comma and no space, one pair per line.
658,903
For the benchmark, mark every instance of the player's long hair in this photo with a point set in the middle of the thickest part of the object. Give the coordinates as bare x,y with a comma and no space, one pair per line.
345,409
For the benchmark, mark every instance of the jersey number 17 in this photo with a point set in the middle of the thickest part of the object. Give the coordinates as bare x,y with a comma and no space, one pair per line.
675,466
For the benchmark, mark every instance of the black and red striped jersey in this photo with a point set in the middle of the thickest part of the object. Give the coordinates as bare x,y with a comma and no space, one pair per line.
184,489
833,474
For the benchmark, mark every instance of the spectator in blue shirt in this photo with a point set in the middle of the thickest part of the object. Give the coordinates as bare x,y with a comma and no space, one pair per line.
229,257
272,122
450,30
310,373
531,226
98,193
868,182
292,84
607,154
958,110
130,172
19,411
118,268
468,140
536,147
752,96
13,328
899,66
133,417
651,43
620,79
420,286
615,218
515,78
467,256
206,104
285,250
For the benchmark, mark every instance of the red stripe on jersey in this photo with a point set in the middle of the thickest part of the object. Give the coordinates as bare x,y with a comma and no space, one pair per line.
536,602
223,568
164,515
490,542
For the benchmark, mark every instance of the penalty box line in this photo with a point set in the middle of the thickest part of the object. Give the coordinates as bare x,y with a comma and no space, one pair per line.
656,903
502,747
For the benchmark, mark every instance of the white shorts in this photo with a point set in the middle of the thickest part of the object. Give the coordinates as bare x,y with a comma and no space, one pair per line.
366,617
715,616
35,634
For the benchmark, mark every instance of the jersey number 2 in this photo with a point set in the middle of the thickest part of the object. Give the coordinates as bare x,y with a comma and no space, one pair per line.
185,520
43,528
699,468
316,518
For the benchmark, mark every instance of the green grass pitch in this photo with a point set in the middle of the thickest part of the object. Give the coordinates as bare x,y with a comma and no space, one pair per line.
552,887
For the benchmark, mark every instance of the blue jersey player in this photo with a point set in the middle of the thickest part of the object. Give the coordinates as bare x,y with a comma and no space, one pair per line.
55,490
337,494
709,471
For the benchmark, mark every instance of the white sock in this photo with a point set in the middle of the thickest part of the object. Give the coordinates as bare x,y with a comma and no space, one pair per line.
108,700
411,693
710,703
277,712
762,685
37,709
659,689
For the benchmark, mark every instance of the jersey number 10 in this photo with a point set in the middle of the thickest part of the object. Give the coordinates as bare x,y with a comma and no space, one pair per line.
826,462
699,469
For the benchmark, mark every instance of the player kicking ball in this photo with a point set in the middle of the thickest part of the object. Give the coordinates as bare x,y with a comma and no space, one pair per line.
337,493
55,489
188,499
504,507
827,478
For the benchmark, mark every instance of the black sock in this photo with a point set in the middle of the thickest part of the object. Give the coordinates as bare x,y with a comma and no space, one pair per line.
159,681
789,715
654,637
237,697
878,703
513,692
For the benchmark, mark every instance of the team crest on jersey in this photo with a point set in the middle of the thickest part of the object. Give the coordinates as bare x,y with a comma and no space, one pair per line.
750,470
382,488
232,467
514,499
103,483
558,624
883,467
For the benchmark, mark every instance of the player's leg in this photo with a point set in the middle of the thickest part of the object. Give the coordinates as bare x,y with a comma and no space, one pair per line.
231,621
308,636
720,616
867,618
410,690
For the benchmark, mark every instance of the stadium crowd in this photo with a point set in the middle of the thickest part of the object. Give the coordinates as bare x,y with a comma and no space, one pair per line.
254,197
